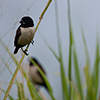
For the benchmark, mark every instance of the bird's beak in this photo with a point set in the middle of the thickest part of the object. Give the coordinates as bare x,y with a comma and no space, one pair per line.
21,21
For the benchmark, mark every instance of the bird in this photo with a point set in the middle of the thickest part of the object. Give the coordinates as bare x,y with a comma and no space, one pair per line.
35,75
24,34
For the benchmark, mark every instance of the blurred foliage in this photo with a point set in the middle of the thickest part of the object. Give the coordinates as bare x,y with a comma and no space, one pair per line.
77,88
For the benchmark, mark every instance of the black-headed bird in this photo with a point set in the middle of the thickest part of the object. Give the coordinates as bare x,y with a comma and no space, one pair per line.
24,34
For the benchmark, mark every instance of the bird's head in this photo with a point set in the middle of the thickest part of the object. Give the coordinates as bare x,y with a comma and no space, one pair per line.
27,21
34,59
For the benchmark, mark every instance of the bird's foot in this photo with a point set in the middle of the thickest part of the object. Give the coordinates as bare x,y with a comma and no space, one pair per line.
25,51
32,42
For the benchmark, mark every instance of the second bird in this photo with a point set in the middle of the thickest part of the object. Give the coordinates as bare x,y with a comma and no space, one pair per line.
35,75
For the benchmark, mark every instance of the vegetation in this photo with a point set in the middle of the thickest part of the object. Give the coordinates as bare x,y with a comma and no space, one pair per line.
71,90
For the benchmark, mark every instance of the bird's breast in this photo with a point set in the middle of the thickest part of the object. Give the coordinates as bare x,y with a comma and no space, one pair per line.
26,36
33,74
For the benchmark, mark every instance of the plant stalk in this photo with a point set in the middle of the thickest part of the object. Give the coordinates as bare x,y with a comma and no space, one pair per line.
70,49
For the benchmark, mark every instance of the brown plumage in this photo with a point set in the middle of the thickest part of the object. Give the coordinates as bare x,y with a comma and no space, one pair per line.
18,33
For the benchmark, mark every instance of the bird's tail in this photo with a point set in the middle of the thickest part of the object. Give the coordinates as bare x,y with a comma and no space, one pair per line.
16,50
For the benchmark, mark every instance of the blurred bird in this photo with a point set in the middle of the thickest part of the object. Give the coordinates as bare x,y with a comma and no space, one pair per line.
24,34
35,75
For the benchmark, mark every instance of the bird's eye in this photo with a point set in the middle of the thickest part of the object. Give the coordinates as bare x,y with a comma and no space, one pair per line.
23,22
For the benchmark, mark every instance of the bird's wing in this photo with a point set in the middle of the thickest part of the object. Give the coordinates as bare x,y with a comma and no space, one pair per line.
42,71
44,84
18,33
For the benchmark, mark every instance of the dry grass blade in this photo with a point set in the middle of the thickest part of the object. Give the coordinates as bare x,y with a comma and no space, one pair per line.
10,98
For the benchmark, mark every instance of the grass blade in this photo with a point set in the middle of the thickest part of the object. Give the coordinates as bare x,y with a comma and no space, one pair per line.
95,72
16,71
13,78
85,46
64,85
88,78
53,52
92,79
70,62
10,97
7,66
70,47
33,92
21,94
77,74
9,52
74,92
